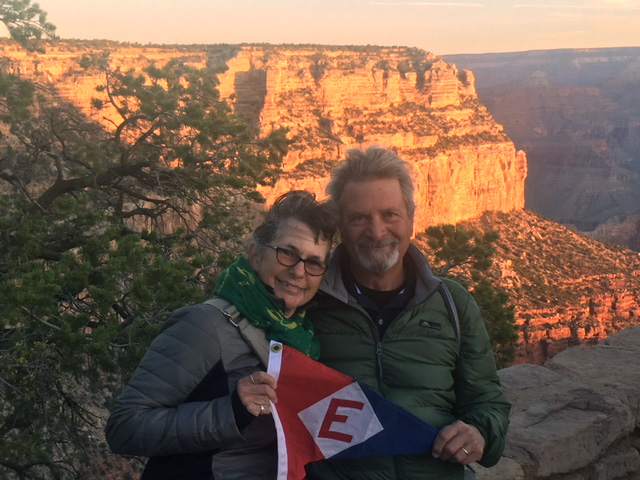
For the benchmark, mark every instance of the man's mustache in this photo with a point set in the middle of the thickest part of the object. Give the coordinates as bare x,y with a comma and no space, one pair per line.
391,242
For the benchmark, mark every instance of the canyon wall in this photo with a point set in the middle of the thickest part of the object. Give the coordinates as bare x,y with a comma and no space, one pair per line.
332,99
61,68
567,289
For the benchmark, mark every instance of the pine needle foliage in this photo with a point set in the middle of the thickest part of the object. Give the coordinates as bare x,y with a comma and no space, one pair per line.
103,232
466,255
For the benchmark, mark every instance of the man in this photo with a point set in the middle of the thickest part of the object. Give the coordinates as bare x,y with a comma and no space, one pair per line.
383,320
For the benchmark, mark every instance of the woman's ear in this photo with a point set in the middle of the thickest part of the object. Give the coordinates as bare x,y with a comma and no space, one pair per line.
253,255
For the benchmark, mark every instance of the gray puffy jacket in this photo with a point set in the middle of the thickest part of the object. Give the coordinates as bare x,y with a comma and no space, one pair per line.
198,347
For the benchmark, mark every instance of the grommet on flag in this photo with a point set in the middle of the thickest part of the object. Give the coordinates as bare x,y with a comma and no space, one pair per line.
276,347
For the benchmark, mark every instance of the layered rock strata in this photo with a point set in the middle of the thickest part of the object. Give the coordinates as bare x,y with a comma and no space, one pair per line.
332,99
577,115
336,99
62,67
566,288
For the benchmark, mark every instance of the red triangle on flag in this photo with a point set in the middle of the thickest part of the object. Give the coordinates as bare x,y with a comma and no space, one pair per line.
295,372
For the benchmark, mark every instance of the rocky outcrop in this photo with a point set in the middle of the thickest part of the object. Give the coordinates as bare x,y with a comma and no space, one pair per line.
332,99
566,289
577,417
61,67
620,230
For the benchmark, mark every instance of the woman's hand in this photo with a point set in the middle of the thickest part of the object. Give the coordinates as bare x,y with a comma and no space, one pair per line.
255,392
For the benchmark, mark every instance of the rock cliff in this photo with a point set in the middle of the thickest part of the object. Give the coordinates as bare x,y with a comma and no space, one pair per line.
333,99
61,68
336,99
576,418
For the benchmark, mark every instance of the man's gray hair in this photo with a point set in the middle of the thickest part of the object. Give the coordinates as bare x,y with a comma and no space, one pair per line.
375,163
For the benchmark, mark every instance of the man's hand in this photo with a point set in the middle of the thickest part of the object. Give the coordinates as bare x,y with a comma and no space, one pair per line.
460,443
255,391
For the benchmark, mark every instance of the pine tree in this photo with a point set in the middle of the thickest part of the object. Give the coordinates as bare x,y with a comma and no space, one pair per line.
454,249
103,232
26,22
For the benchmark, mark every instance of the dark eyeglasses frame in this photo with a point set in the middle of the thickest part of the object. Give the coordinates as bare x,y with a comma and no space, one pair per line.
300,259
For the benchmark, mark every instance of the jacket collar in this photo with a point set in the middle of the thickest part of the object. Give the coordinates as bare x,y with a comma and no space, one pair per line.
426,282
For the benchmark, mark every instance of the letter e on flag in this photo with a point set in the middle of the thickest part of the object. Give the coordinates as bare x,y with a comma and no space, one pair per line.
341,420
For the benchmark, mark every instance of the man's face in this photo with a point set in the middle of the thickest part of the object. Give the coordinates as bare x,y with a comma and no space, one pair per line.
375,225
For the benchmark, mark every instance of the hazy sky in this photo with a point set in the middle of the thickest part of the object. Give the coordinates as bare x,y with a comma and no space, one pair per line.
442,27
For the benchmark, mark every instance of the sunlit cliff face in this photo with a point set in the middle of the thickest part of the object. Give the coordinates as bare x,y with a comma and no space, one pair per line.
332,100
427,110
336,100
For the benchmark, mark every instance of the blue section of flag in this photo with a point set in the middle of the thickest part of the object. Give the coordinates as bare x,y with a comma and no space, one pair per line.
403,434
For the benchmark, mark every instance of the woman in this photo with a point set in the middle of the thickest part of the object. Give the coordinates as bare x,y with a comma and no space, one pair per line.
199,401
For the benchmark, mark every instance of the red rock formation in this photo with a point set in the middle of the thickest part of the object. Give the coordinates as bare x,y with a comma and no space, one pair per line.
333,100
60,67
567,289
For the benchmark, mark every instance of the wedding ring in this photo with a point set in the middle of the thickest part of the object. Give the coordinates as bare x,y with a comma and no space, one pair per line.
252,380
465,450
261,409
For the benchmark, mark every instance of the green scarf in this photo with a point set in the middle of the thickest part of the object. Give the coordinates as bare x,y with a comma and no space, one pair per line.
241,286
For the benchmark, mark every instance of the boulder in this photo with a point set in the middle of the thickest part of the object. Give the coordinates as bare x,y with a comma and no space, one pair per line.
576,418
553,413
614,364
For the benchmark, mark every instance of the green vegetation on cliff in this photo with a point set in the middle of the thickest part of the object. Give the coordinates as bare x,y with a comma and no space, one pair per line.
103,233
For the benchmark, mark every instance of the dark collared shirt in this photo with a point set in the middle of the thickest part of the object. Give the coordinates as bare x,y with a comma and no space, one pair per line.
382,306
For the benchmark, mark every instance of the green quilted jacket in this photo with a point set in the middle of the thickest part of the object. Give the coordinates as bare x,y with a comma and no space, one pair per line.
420,365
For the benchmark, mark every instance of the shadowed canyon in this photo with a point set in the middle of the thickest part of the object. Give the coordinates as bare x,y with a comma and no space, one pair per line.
577,115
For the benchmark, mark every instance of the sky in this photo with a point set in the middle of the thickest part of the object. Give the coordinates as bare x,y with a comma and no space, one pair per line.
441,27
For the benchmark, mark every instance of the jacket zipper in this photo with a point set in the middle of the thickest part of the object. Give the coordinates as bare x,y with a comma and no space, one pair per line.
377,340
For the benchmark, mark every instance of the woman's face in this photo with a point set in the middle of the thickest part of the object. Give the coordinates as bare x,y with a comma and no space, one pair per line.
291,284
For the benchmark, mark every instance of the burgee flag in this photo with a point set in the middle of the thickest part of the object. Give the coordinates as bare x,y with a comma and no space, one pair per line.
322,413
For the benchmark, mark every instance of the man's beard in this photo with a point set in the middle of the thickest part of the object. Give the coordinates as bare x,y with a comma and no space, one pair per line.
375,260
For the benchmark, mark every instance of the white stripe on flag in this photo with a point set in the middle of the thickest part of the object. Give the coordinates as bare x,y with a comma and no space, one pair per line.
275,363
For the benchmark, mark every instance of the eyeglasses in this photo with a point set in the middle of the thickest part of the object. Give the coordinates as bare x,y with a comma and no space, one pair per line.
289,258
